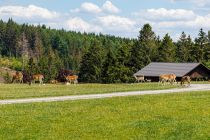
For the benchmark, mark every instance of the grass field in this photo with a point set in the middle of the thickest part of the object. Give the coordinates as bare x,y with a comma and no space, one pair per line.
11,91
169,116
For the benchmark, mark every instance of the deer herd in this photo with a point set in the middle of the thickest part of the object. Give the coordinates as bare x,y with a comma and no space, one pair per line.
73,79
166,79
18,78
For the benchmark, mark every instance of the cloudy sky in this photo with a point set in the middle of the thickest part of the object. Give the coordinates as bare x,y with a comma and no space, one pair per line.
116,17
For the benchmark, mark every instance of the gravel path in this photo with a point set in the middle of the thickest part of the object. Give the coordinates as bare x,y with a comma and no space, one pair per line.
193,87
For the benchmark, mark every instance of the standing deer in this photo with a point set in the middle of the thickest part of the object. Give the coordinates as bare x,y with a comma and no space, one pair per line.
17,77
171,78
71,79
38,77
139,78
186,79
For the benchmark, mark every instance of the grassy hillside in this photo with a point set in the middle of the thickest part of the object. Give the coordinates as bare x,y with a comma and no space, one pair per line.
11,91
174,116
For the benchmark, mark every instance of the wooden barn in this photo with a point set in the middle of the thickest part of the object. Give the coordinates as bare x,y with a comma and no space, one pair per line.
196,71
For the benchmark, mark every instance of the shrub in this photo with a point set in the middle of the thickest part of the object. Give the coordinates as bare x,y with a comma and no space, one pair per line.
62,73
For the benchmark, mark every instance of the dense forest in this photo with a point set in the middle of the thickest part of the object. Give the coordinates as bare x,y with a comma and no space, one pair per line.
96,58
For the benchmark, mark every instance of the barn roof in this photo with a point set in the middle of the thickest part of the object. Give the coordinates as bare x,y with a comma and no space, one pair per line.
157,68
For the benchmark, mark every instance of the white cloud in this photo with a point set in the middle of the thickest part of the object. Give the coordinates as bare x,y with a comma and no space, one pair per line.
30,11
117,23
78,24
87,7
166,14
200,3
95,9
109,7
90,7
173,21
198,22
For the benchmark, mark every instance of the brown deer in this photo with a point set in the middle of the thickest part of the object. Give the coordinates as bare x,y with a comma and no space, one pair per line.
72,79
38,77
139,78
186,79
17,77
163,78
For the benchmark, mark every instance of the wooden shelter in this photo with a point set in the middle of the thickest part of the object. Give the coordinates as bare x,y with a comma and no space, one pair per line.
196,71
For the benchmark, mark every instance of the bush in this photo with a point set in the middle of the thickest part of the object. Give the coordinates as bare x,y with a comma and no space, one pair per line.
62,73
11,63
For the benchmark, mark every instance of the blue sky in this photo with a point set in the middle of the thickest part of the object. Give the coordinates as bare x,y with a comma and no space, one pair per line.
116,17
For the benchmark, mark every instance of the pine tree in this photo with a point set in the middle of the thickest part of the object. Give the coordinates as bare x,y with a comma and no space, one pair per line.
184,46
191,49
144,50
109,63
121,70
91,64
138,58
200,46
10,37
167,50
147,40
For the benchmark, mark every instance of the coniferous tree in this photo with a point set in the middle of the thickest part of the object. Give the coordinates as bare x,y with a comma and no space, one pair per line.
138,58
10,37
144,50
200,44
91,64
167,50
191,50
147,40
184,45
108,66
122,70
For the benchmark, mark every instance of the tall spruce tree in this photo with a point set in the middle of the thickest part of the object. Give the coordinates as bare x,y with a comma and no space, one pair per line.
144,50
191,50
167,50
10,37
108,66
147,40
139,58
91,64
184,46
201,44
122,70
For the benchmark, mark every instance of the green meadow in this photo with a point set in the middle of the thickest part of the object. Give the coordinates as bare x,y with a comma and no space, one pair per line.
167,116
12,91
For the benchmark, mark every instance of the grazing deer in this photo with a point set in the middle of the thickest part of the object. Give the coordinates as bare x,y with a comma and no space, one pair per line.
72,79
163,78
186,79
139,78
17,77
38,77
